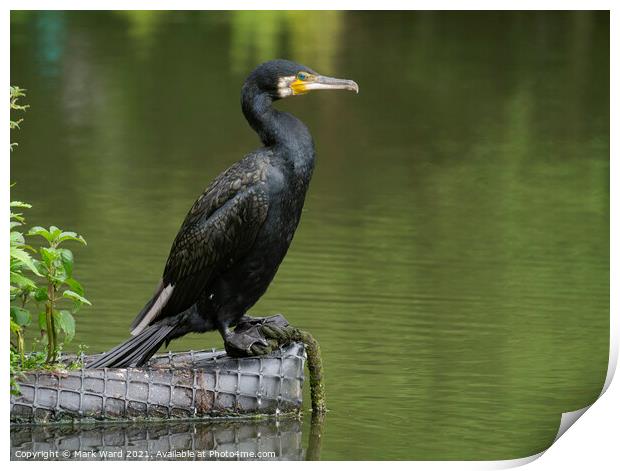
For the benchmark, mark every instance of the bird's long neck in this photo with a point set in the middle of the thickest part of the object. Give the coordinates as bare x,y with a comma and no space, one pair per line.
276,128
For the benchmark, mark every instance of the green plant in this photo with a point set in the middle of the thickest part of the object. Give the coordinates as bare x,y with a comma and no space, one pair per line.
77,362
56,266
20,260
16,94
37,360
22,286
61,295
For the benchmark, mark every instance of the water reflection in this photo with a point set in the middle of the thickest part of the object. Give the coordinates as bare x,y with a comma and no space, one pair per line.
308,37
50,26
142,27
233,440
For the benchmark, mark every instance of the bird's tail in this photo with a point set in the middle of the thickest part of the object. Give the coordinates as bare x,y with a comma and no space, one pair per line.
135,351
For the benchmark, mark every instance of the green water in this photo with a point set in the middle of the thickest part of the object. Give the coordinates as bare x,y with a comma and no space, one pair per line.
453,255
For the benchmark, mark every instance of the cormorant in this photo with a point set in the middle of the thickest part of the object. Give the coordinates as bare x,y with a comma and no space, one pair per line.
236,234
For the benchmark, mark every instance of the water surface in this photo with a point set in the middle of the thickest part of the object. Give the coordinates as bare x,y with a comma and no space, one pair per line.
453,255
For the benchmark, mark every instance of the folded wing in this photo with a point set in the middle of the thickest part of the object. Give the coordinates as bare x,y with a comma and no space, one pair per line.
220,228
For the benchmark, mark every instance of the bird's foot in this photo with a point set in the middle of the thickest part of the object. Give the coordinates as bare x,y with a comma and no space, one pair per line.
256,336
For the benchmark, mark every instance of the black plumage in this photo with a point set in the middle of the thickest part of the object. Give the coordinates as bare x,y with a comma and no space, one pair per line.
236,234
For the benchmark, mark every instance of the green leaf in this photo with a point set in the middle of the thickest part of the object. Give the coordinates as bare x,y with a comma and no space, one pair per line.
40,267
40,231
17,217
71,236
17,238
76,297
49,255
66,257
75,286
15,224
59,278
15,327
20,316
20,204
55,232
66,322
40,294
25,258
22,281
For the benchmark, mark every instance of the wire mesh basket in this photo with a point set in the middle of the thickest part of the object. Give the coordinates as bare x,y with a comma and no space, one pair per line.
194,384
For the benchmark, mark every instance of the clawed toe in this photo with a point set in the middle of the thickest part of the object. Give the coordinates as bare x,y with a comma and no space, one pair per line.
259,350
246,342
274,332
255,336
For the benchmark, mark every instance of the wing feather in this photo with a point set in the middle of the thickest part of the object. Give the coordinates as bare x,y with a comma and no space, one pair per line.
219,229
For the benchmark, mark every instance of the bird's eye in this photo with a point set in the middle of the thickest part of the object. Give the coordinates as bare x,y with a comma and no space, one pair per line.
301,76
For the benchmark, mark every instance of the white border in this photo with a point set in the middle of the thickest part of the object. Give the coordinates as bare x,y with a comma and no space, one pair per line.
592,443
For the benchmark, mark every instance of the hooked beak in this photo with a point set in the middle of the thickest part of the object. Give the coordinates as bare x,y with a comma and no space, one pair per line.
320,82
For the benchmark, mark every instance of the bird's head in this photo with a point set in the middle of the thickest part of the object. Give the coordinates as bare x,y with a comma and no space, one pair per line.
282,78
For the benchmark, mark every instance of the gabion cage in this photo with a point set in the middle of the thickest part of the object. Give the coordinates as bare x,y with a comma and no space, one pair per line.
193,384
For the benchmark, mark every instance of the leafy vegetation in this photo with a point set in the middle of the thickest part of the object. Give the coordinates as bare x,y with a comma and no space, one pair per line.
41,281
16,94
21,285
37,360
56,266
